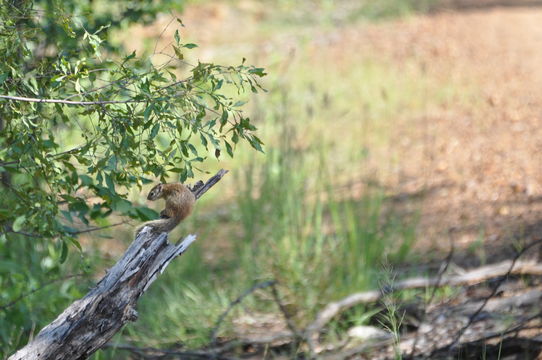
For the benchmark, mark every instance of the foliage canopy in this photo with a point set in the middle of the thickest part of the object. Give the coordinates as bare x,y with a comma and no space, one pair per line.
81,122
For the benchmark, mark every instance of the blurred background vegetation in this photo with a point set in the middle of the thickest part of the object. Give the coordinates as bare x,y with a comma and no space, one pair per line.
312,212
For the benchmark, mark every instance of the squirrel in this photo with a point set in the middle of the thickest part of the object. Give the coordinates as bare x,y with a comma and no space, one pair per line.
179,203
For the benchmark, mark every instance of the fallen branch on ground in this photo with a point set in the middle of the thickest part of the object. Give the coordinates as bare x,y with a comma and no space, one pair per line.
472,277
237,301
295,336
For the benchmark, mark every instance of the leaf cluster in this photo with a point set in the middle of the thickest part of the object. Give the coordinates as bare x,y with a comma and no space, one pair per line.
82,123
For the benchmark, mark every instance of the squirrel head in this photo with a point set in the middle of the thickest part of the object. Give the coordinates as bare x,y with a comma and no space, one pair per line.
156,192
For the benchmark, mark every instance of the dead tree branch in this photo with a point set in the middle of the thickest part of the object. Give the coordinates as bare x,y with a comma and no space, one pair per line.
496,287
237,301
89,323
440,274
200,188
472,277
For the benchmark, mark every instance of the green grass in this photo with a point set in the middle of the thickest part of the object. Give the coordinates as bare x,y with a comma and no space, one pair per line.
304,13
290,218
292,229
293,214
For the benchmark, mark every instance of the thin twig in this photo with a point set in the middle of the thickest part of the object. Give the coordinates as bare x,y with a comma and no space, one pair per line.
97,228
496,287
70,102
441,272
163,31
75,149
50,282
297,335
77,232
157,352
237,301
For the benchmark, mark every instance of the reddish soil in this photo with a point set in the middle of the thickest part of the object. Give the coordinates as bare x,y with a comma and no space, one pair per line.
479,169
473,166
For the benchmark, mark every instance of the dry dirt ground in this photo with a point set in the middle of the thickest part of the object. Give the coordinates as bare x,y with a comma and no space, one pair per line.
474,167
478,168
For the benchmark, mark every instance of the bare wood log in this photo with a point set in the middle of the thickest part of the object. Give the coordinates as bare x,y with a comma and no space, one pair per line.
89,323
527,298
472,277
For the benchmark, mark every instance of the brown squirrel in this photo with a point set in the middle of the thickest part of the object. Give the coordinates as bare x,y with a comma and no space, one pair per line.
179,203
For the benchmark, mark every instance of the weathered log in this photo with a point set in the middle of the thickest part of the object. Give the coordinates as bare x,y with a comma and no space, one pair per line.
89,323
472,277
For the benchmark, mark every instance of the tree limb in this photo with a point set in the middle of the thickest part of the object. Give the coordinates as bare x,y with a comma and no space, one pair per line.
69,102
200,188
89,323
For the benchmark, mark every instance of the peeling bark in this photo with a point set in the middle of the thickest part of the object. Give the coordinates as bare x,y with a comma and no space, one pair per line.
90,322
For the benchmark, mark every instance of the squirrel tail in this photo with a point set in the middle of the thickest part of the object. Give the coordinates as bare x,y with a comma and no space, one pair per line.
160,225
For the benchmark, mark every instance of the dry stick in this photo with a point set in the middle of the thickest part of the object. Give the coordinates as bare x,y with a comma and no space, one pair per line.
199,189
237,301
487,298
88,323
473,277
356,350
441,272
262,340
493,307
282,308
514,329
297,335
161,352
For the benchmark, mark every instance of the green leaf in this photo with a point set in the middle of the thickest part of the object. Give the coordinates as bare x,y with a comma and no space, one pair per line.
229,148
110,183
203,140
18,223
224,117
76,243
190,46
121,205
147,112
257,71
154,130
178,52
146,214
239,103
86,180
130,57
63,252
177,37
